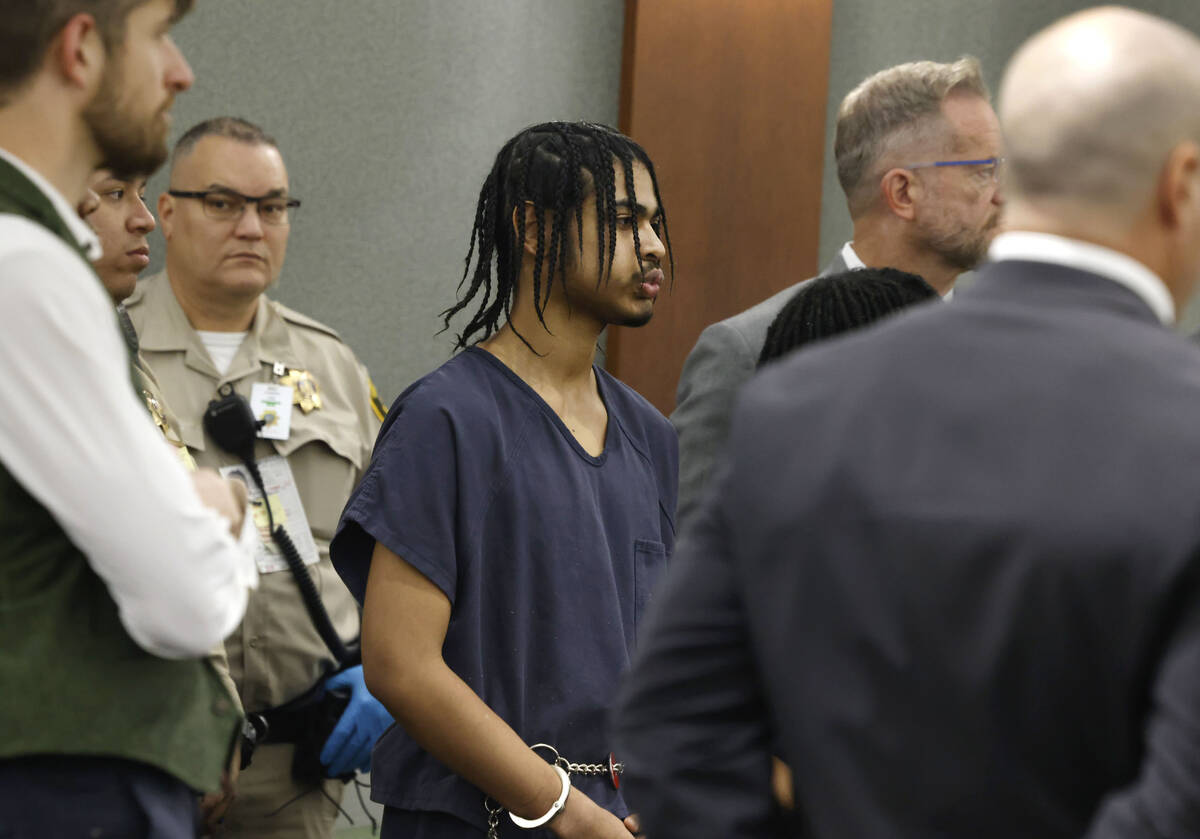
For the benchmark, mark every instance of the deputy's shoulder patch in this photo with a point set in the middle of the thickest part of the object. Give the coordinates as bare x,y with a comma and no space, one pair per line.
376,403
294,317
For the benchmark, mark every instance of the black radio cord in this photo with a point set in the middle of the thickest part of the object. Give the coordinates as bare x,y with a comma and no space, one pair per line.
308,589
231,423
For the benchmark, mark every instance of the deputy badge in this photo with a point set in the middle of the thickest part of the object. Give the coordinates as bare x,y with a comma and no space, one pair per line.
306,393
156,412
160,422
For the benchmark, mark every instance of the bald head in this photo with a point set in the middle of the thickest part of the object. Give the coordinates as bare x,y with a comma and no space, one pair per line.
1092,108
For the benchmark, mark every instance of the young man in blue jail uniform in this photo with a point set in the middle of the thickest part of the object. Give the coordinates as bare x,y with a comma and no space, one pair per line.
518,509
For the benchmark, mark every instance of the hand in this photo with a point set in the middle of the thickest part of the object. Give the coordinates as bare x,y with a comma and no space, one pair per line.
215,805
781,784
349,745
227,498
582,818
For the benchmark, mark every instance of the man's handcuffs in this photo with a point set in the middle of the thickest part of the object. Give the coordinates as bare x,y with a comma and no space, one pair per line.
565,769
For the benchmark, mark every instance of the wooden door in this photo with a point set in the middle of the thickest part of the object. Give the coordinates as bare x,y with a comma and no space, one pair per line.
728,97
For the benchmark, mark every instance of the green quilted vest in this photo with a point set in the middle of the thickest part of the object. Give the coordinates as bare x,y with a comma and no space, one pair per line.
73,681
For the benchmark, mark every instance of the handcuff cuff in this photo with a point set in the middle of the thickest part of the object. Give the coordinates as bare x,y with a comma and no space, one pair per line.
565,769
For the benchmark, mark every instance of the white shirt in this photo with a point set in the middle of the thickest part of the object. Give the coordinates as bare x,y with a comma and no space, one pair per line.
74,435
222,347
853,263
1096,259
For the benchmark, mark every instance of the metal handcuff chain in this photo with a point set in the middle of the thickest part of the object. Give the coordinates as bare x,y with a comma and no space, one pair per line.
591,768
494,810
579,768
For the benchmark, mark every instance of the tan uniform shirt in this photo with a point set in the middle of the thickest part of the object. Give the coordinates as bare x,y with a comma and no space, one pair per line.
164,418
276,653
168,424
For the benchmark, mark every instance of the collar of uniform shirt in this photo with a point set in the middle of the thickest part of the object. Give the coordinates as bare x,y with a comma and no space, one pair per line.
79,228
1085,256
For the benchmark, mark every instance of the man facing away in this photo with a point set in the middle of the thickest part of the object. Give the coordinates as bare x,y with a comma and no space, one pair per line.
518,509
207,323
963,601
110,716
918,157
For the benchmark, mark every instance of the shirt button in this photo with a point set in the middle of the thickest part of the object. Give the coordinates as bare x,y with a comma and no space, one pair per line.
254,642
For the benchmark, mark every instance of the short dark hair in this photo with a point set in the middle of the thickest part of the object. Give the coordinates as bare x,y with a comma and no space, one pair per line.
235,128
28,26
553,166
838,303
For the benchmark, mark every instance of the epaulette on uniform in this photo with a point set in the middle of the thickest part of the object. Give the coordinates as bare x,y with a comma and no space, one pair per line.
292,316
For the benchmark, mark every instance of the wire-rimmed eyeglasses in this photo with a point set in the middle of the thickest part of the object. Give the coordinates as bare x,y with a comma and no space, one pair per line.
990,166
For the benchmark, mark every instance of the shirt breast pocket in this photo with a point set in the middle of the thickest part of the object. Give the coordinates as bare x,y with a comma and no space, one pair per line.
649,558
326,460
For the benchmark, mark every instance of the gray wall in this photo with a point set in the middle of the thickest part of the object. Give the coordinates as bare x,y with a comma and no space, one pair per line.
869,35
389,113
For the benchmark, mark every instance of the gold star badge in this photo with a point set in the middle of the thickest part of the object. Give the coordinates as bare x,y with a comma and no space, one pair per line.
156,412
305,392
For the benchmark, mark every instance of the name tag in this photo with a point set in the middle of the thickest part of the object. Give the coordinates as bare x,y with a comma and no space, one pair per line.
273,405
286,508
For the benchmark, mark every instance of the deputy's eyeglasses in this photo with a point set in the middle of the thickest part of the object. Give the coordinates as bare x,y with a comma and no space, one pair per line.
228,205
990,166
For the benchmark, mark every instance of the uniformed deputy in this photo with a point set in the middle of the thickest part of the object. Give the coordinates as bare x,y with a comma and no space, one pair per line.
116,210
206,323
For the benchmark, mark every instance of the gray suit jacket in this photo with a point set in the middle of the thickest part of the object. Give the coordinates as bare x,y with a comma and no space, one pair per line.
724,358
963,601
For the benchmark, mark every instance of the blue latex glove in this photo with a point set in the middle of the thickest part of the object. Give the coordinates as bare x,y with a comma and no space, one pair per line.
349,745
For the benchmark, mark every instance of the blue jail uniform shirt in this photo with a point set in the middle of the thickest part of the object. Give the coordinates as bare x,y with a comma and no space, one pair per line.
547,554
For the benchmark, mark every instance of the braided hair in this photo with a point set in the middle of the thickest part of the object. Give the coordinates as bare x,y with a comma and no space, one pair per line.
838,303
554,167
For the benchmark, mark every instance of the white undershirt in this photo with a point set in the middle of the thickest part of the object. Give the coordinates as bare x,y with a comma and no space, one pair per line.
75,436
1085,256
222,347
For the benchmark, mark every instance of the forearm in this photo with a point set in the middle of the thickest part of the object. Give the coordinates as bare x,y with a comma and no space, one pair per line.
405,618
453,724
79,442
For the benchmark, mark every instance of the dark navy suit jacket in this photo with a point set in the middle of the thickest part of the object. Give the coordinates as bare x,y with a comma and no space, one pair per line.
949,575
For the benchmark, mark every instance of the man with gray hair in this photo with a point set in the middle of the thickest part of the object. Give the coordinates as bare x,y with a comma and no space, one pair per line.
918,157
963,602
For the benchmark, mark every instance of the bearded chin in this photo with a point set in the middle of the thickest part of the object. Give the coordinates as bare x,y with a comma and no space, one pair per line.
968,255
963,250
128,144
